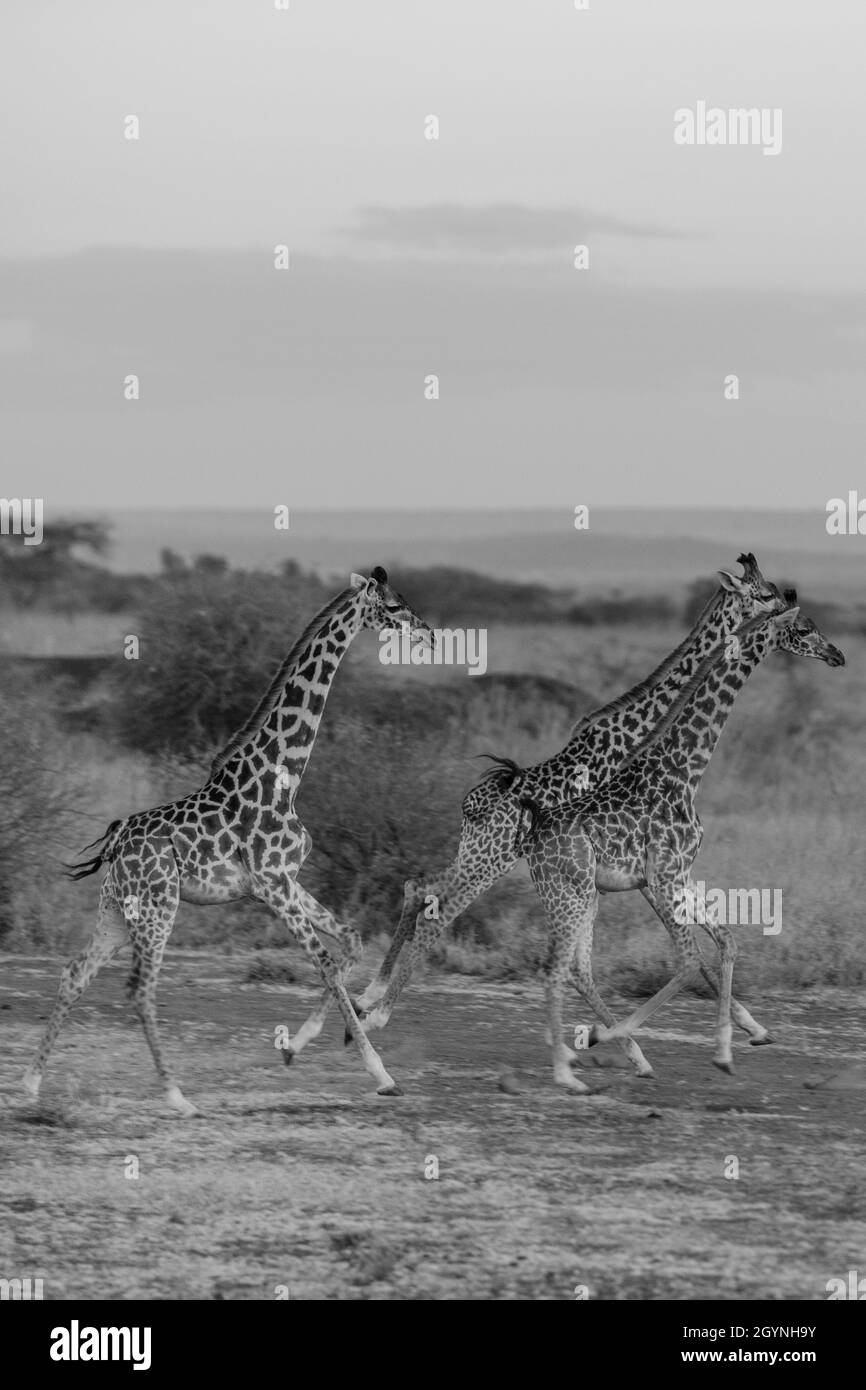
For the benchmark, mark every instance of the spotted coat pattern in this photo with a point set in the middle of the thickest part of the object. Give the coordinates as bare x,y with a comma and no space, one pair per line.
641,830
492,811
238,836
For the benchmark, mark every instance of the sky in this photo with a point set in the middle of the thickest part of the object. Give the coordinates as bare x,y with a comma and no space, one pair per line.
411,257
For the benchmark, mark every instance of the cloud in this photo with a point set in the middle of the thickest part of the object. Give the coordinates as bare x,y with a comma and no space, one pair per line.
497,228
219,326
307,386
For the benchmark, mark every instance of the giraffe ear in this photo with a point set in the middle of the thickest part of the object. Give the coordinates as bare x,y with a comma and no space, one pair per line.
787,618
731,582
357,581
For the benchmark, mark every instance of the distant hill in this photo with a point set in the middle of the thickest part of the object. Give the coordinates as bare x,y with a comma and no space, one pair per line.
627,549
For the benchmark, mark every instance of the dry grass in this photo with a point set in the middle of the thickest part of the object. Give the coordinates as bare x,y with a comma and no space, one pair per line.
782,805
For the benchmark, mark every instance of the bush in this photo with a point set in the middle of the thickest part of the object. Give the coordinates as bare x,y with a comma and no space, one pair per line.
616,609
381,804
36,795
210,642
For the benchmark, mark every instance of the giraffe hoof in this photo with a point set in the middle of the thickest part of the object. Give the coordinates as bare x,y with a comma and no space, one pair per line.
724,1066
288,1056
392,1090
762,1042
593,1036
571,1083
181,1105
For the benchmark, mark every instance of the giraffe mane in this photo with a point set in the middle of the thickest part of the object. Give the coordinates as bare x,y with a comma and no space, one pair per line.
269,700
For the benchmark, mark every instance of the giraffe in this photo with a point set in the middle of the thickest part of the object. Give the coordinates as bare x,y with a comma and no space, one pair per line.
238,836
641,830
595,748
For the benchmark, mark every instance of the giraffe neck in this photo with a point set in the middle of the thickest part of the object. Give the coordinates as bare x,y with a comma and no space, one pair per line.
276,741
607,735
685,741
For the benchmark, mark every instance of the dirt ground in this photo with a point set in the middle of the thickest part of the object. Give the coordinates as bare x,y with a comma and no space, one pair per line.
302,1183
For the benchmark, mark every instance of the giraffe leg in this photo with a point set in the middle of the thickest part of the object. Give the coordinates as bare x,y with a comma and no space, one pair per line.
427,933
563,898
758,1034
486,852
109,936
144,999
727,954
281,895
350,941
414,894
567,925
667,897
682,936
583,981
564,877
157,901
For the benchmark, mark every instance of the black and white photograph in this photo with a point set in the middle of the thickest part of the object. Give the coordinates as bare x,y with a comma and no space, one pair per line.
432,668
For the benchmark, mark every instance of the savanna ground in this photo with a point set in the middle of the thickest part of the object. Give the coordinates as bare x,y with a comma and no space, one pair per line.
304,1179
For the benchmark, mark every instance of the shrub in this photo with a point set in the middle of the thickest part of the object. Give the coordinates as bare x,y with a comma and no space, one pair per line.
210,641
36,794
618,608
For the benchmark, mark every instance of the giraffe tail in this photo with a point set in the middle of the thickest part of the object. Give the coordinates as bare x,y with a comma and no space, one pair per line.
504,771
92,866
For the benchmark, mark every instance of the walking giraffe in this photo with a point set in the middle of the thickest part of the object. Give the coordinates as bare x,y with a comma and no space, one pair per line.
641,830
239,836
596,748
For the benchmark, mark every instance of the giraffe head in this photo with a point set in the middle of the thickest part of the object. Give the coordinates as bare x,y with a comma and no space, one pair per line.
755,593
384,608
799,635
